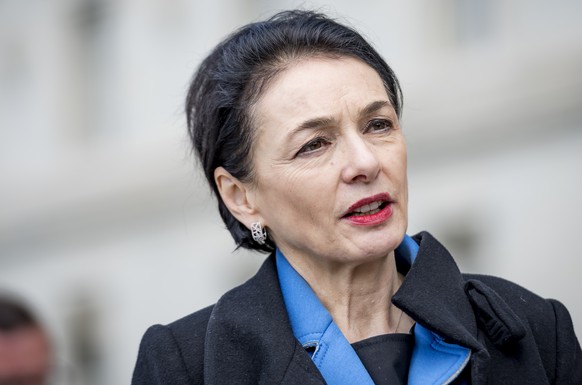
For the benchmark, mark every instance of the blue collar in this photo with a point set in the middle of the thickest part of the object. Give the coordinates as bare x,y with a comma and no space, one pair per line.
333,355
313,327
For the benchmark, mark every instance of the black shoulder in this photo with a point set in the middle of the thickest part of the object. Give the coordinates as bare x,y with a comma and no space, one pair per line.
173,353
547,321
535,313
527,305
190,331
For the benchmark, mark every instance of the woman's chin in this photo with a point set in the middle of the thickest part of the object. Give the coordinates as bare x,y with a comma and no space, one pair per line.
372,251
379,244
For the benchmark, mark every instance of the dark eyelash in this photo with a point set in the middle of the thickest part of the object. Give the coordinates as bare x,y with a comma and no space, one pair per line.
304,148
387,123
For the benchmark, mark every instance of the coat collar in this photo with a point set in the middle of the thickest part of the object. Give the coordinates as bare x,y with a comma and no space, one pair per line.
249,339
434,361
433,294
249,336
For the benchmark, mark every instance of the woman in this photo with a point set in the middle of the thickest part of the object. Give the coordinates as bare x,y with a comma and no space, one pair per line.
295,121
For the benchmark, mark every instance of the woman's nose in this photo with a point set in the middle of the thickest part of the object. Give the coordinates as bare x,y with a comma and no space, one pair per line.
361,163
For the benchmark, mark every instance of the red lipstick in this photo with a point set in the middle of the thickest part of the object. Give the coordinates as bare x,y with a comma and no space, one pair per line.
370,211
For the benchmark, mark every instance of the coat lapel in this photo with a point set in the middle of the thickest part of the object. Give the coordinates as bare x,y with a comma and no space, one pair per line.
249,339
433,294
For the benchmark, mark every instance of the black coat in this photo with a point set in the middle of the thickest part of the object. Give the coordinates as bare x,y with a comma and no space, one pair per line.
515,336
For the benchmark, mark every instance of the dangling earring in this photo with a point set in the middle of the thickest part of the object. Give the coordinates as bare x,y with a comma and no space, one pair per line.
259,234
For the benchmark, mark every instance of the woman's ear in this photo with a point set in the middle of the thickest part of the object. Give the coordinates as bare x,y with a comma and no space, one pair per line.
236,196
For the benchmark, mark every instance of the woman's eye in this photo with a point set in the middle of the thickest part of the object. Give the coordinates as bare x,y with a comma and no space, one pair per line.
312,146
377,125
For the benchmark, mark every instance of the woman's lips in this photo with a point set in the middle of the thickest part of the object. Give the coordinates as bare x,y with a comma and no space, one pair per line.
370,211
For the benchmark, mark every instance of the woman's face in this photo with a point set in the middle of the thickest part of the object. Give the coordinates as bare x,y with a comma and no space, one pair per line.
330,163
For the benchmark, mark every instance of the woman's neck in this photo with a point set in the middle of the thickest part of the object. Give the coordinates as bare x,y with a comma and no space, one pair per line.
358,297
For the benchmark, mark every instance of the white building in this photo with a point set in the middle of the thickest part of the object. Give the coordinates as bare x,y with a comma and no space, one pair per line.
104,218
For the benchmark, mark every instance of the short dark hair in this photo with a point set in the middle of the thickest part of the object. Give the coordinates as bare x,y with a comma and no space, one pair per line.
235,73
14,315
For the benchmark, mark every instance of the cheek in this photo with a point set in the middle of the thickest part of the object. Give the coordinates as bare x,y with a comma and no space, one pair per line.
305,190
300,194
399,168
394,165
279,189
404,175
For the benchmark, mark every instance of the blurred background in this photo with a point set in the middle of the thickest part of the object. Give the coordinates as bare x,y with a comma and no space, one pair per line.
104,216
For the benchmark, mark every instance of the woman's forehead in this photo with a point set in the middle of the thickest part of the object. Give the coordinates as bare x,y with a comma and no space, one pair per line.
319,88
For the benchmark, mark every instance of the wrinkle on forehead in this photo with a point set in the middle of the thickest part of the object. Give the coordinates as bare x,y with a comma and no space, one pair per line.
287,92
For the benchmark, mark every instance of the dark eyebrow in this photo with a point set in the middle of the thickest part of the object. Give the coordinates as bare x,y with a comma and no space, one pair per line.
315,123
374,107
312,124
322,122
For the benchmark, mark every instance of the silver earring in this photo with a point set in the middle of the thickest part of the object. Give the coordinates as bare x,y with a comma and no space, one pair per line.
259,234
